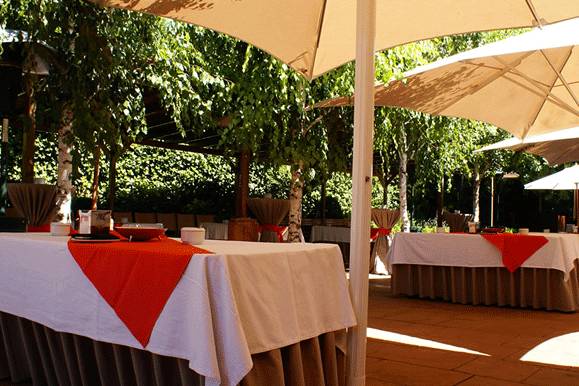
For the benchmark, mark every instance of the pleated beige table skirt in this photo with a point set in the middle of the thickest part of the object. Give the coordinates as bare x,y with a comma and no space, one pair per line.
527,287
31,351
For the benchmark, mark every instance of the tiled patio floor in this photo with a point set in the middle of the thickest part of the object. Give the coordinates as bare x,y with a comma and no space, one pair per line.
422,342
485,344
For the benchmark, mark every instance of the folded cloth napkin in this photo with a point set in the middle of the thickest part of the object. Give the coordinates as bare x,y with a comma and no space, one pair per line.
515,249
136,279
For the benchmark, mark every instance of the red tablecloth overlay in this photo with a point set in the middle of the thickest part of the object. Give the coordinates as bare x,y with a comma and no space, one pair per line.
515,249
136,279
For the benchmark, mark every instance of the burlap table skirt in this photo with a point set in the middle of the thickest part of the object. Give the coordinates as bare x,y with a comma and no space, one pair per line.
269,211
36,202
527,287
31,351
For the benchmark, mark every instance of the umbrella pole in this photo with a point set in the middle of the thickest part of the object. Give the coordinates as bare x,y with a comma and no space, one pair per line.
361,188
4,168
576,203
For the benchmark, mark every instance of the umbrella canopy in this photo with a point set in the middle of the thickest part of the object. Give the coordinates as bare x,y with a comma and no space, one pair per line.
557,148
527,84
566,179
315,36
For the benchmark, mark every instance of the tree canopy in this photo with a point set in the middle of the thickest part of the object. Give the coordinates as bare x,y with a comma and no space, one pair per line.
112,63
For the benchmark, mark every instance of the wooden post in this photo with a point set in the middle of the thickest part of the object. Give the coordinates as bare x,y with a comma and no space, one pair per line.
403,180
29,135
95,178
242,189
324,200
361,188
492,201
112,180
242,227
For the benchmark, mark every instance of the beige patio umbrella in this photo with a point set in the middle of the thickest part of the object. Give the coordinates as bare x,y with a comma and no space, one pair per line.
557,148
314,36
527,84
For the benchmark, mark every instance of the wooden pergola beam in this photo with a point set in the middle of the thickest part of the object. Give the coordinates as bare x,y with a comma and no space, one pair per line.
180,146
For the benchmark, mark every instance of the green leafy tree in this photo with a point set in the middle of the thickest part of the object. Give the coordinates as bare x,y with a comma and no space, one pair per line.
111,58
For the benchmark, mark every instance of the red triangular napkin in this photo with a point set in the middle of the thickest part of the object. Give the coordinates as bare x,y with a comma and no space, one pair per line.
136,279
516,249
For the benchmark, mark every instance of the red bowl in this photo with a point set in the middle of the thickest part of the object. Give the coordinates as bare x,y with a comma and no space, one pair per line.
140,233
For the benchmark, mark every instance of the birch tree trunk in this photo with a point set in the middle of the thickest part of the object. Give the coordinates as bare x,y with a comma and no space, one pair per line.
384,184
95,178
295,212
476,195
64,183
440,203
403,177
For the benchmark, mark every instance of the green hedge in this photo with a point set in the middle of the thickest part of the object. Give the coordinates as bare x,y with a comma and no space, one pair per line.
161,180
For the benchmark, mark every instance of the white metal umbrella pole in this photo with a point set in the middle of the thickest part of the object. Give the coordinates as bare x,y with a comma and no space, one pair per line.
361,187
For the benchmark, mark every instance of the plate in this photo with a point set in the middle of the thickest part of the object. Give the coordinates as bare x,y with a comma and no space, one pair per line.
93,241
81,238
141,233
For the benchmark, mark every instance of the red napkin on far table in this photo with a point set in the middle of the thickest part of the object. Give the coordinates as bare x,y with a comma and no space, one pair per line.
136,279
515,249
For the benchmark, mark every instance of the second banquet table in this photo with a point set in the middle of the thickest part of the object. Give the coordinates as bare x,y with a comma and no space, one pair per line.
215,230
243,299
466,268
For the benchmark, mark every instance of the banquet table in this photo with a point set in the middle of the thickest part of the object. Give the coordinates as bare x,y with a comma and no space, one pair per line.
236,315
465,268
333,234
330,234
215,230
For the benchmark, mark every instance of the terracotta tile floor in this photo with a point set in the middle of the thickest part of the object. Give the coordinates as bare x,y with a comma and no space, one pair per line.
423,342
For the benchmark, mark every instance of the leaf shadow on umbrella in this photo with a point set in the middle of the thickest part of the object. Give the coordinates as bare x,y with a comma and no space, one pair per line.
166,7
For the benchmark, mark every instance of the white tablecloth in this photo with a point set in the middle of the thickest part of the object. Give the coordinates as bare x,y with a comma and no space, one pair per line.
246,298
330,234
215,230
465,250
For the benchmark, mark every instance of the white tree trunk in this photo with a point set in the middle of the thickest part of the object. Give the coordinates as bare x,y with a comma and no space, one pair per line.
295,212
403,177
64,184
476,195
